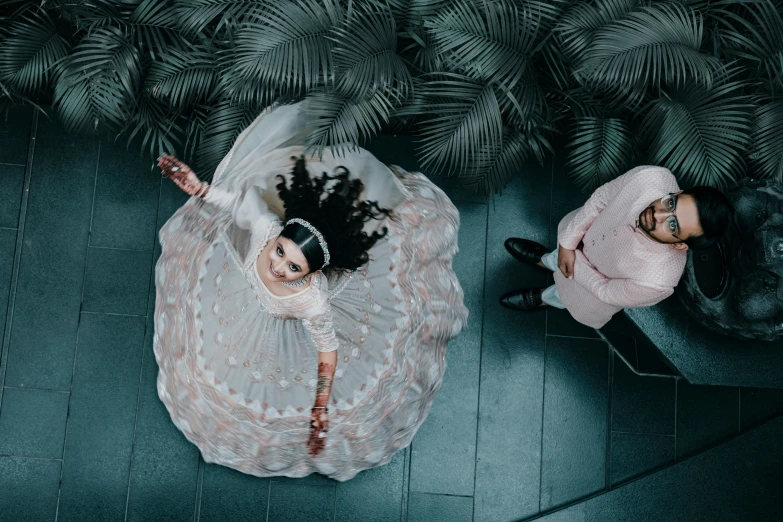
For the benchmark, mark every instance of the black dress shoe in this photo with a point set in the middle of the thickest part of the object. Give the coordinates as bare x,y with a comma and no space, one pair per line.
525,250
522,299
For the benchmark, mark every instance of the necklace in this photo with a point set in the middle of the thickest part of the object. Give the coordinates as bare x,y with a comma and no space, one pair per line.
295,284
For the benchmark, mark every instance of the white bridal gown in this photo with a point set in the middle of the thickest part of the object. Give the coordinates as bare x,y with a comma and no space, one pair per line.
238,365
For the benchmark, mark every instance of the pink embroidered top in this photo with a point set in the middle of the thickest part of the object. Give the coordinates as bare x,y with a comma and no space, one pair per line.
618,265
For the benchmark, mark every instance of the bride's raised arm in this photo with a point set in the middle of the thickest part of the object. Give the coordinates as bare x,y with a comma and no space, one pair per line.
184,177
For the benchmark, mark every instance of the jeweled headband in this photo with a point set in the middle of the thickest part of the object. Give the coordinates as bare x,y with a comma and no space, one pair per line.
316,233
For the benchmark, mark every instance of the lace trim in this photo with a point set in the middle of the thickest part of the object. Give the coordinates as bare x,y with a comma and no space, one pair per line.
251,259
343,282
322,333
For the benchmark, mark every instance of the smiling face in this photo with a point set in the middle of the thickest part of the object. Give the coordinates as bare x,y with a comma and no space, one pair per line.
672,219
283,261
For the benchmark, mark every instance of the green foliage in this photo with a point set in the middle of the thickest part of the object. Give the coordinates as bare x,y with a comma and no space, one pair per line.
767,139
600,148
647,47
701,132
694,85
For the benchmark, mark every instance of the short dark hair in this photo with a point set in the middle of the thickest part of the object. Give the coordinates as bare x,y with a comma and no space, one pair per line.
715,214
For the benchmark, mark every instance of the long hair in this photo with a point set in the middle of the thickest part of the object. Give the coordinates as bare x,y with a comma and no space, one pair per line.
715,214
335,212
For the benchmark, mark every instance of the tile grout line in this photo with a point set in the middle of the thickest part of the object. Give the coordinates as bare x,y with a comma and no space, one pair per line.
634,370
10,305
561,336
609,418
647,433
406,468
78,330
150,288
546,344
268,501
9,228
442,494
541,446
88,312
14,164
31,458
36,389
481,355
676,403
739,409
199,486
119,249
334,505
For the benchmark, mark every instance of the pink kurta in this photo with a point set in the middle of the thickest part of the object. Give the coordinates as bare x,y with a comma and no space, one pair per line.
618,266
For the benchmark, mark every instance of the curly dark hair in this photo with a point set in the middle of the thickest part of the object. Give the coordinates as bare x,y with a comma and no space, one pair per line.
338,216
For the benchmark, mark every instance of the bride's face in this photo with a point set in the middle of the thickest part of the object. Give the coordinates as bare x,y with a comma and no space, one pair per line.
284,261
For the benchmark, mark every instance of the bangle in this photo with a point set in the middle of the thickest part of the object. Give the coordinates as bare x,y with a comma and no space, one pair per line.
320,408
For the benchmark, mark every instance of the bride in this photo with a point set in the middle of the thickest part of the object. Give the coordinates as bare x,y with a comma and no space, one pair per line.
303,304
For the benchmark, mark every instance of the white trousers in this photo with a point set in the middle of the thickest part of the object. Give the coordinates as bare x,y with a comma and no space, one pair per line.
550,295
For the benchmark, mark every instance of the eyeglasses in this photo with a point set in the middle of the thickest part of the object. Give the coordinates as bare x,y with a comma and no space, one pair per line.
669,204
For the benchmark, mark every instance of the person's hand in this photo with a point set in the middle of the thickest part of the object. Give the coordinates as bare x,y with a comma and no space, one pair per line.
319,426
565,261
182,175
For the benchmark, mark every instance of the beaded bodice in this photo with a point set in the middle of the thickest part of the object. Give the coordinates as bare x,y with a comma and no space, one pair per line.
310,305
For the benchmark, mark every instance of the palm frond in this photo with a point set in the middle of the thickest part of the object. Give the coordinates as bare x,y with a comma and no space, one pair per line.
580,22
89,15
97,86
410,14
422,49
647,47
524,105
30,52
555,64
156,126
464,121
154,26
288,44
214,128
343,123
546,13
767,139
180,78
196,16
246,91
701,133
496,166
491,41
365,55
580,101
757,38
10,99
600,149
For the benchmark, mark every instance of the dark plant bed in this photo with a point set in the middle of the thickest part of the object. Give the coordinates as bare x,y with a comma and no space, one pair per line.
693,86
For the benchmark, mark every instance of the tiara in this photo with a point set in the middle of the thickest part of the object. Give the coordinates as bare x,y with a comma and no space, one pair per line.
316,233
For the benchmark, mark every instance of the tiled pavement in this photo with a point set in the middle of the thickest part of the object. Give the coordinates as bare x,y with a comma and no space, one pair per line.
535,411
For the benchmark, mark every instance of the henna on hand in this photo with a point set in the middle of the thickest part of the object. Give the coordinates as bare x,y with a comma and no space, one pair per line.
319,420
319,426
324,385
182,175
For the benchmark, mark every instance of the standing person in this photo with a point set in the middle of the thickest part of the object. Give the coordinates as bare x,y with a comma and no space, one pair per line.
625,248
301,322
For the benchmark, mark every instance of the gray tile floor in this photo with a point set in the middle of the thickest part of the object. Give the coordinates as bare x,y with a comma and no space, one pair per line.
535,411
